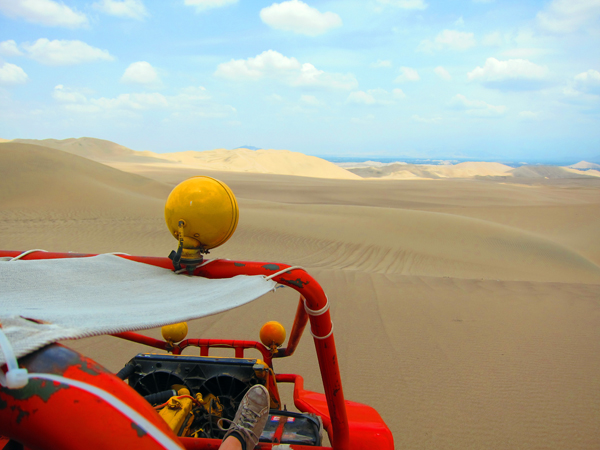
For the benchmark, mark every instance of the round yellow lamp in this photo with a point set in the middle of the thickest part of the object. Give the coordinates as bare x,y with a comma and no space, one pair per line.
175,332
202,213
272,334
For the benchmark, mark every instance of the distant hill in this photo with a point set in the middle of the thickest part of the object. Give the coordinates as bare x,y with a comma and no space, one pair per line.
584,165
249,147
550,172
423,171
32,176
282,162
94,149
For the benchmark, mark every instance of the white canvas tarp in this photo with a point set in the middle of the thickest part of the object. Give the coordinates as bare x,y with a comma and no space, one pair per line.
106,294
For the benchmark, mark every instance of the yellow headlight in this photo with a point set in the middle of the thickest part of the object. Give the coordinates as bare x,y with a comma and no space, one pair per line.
208,209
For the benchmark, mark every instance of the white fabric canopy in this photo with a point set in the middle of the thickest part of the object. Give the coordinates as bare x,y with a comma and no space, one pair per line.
106,294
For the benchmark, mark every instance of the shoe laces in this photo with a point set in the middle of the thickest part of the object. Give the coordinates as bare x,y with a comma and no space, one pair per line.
247,422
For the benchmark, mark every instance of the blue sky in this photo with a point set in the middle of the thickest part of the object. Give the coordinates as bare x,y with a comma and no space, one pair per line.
505,80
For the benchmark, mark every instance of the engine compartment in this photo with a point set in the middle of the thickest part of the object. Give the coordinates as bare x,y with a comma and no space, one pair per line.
199,390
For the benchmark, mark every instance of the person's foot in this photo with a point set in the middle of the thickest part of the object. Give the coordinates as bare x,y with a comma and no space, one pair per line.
250,418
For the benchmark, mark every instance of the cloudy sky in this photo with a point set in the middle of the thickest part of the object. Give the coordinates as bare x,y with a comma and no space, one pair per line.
488,79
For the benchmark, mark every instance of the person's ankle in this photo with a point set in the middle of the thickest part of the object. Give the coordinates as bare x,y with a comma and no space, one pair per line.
240,438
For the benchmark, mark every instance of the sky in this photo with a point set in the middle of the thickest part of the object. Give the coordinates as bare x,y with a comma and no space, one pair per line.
503,80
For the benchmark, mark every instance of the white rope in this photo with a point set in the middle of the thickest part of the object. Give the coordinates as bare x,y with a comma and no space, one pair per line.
322,337
17,378
27,253
284,271
316,312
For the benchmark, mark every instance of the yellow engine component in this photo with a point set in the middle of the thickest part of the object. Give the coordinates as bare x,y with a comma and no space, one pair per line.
211,404
272,334
205,211
174,333
178,413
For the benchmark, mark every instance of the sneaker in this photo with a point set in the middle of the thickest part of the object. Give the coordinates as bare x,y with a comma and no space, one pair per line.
251,417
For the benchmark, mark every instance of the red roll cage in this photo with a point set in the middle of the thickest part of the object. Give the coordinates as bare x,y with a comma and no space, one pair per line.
350,425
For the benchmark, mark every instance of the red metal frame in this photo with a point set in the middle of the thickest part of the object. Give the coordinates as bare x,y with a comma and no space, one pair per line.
331,406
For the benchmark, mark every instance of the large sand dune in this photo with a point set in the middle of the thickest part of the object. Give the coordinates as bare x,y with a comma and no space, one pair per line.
430,171
465,311
282,162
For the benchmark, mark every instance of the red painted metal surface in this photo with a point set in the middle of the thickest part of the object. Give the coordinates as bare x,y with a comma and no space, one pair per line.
50,415
331,406
367,428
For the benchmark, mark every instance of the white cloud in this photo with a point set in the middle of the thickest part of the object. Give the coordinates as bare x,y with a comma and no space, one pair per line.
381,63
203,5
588,82
64,53
45,12
407,74
298,17
476,108
272,64
398,93
513,74
493,39
566,16
275,98
190,101
311,100
459,22
528,115
65,95
405,4
133,9
418,118
375,97
10,74
448,39
521,53
9,48
141,72
442,73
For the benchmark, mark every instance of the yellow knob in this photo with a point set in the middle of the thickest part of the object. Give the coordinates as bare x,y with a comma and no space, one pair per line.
272,334
175,333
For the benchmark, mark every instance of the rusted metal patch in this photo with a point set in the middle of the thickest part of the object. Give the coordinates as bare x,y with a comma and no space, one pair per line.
91,367
297,282
22,413
139,430
44,389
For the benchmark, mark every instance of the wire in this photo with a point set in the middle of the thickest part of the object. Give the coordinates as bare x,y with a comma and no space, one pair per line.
27,253
283,271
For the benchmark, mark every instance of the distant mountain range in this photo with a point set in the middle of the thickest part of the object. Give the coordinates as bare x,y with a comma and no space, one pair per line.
249,147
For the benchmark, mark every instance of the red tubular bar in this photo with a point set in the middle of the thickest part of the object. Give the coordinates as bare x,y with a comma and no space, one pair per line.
298,279
300,321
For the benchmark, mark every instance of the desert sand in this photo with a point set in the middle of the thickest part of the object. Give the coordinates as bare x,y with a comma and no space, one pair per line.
466,310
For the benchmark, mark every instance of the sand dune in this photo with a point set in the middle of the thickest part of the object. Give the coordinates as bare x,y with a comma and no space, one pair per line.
39,177
585,165
282,162
551,172
428,171
94,149
465,310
